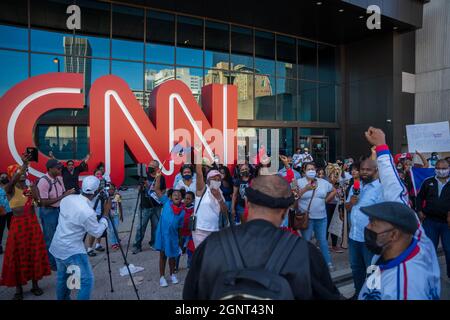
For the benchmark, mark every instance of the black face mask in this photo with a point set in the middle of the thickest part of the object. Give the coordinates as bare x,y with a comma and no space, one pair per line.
4,181
150,170
370,239
245,173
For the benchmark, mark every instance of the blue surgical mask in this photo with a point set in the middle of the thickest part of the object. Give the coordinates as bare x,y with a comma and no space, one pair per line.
187,177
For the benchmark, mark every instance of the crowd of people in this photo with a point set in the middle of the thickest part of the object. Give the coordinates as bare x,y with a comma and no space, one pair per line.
245,224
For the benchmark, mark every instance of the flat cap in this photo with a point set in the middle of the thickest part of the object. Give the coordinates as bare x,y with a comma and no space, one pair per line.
397,214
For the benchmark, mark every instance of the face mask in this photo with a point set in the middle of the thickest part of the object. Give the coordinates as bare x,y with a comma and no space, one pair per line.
245,173
4,181
370,239
187,177
311,174
151,170
442,173
213,184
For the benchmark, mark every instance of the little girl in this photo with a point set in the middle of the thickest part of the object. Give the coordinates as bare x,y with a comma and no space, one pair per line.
116,215
168,230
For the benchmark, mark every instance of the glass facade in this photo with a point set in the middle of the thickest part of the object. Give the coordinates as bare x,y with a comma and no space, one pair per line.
279,78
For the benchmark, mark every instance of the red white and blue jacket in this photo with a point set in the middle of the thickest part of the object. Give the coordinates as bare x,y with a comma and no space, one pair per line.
415,274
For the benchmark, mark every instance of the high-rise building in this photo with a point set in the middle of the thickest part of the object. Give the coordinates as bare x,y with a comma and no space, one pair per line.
76,50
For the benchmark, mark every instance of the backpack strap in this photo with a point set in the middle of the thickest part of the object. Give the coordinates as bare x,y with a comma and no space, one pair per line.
231,252
281,253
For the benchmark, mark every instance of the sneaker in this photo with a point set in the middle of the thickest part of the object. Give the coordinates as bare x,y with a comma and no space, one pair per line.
91,253
174,279
331,267
136,250
163,282
115,247
99,248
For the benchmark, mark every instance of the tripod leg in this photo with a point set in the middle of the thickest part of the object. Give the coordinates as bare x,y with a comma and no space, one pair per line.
132,222
124,258
109,261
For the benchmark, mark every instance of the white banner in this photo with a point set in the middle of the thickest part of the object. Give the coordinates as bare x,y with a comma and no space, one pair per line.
428,137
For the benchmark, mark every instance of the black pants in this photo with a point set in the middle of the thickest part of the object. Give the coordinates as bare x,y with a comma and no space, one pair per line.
330,211
5,221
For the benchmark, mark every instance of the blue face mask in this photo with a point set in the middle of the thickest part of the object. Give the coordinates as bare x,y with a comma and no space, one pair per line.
187,177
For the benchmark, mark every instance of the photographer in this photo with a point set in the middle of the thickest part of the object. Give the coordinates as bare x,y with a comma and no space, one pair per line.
75,219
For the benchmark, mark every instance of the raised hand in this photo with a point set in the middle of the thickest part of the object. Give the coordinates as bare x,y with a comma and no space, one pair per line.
375,136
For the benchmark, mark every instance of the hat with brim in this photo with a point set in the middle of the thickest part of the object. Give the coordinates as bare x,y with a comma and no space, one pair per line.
398,214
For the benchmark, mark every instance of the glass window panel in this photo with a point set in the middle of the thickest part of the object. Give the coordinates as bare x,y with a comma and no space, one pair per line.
160,37
45,63
15,66
242,48
13,37
189,57
327,63
307,60
265,53
286,99
95,27
81,142
128,33
327,103
286,57
193,78
14,12
154,76
217,45
48,41
133,74
245,86
189,41
286,138
265,104
50,14
308,101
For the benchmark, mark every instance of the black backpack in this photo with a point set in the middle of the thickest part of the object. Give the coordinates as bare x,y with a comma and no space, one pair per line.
242,283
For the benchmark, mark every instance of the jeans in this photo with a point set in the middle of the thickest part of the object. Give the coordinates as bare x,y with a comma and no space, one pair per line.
319,227
148,214
49,220
436,230
239,213
5,221
86,277
111,233
360,260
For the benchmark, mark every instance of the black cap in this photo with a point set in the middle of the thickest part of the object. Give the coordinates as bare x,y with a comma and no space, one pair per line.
53,163
397,214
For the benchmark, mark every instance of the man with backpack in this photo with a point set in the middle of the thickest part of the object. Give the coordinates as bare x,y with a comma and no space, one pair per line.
51,191
257,259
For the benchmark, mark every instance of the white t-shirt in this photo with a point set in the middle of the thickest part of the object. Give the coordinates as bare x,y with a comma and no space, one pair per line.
75,219
318,209
181,185
208,213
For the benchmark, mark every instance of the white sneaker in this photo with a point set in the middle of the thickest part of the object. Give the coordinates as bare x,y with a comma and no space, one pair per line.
174,279
163,282
331,267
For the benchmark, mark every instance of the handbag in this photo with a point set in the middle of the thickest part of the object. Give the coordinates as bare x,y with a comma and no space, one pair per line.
301,218
193,217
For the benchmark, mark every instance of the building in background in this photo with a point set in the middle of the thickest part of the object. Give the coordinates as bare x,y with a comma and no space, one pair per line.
310,69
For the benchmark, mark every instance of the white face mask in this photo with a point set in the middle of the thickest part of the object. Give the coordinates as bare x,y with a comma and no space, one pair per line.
213,184
311,174
442,173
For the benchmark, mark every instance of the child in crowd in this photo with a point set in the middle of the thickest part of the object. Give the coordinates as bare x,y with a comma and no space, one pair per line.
168,230
187,244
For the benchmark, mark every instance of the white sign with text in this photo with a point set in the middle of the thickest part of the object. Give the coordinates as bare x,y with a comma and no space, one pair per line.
428,137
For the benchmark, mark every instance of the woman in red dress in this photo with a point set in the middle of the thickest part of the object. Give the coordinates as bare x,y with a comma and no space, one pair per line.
26,255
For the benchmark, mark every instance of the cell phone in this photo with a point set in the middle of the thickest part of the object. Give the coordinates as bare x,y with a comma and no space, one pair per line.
34,154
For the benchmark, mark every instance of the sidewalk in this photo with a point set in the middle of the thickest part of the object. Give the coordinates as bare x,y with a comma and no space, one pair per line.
147,281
